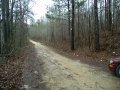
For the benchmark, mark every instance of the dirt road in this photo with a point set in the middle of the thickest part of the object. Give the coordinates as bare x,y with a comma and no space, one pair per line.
61,73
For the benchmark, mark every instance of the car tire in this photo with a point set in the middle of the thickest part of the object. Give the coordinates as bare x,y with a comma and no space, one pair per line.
118,71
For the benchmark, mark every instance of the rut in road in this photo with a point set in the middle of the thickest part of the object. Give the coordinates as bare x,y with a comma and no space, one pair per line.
61,73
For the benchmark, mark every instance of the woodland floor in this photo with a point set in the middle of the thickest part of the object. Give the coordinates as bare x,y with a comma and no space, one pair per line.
44,68
21,71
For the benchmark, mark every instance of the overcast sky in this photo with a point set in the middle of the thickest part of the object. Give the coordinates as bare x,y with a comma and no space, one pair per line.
39,7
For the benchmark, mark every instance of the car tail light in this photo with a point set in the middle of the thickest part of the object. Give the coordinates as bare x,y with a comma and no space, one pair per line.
110,65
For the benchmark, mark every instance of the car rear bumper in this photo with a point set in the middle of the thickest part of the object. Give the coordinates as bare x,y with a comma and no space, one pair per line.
112,67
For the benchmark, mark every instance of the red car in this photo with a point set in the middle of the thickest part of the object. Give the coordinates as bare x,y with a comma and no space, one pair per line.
114,66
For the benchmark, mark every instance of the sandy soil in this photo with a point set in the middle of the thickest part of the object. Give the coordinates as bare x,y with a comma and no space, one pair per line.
62,73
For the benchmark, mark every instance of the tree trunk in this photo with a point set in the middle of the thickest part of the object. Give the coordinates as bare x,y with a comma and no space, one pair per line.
106,15
69,18
96,28
110,16
78,24
72,31
4,20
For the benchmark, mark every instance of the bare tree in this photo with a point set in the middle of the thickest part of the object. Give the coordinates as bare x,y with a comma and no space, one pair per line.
72,29
96,28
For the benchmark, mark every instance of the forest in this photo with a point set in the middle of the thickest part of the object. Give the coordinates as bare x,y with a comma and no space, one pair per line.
13,25
75,45
14,15
91,25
